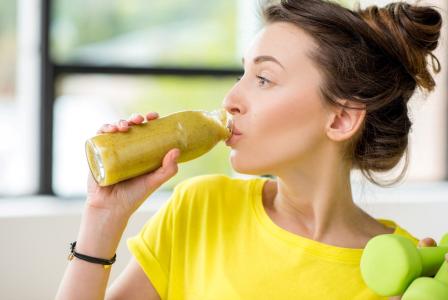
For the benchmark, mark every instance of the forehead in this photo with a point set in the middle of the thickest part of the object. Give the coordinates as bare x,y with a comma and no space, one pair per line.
285,41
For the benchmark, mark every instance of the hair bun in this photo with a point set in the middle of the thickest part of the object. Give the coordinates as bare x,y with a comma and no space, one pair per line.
409,33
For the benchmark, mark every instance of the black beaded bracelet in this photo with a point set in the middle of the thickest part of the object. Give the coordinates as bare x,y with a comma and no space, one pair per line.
105,262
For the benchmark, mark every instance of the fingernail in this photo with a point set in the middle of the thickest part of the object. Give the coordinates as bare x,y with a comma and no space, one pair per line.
154,114
134,115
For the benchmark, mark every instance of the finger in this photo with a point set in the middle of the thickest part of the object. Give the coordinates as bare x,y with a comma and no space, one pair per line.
101,130
168,169
152,116
169,163
427,242
108,128
135,119
123,126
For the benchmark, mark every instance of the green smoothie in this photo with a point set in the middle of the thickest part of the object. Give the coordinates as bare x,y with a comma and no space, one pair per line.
114,157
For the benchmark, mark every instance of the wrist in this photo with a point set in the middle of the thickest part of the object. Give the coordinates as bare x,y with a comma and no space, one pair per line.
107,207
106,263
104,209
100,232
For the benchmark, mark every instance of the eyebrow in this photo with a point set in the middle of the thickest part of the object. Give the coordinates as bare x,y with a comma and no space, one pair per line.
263,58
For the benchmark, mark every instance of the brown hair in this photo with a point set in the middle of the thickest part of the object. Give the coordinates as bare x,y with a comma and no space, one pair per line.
375,56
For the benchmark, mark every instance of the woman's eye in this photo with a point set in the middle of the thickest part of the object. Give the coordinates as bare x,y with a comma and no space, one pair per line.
263,81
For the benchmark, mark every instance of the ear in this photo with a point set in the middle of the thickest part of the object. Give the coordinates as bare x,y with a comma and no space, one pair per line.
343,123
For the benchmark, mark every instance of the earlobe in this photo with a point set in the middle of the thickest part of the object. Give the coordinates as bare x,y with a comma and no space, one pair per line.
345,122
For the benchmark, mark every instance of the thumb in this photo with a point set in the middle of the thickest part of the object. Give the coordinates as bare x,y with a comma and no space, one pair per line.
168,169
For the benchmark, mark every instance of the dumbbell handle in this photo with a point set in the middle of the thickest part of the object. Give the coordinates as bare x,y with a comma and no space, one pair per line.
442,274
431,258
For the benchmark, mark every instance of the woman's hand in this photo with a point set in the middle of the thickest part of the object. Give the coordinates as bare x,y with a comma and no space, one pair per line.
426,242
123,198
105,218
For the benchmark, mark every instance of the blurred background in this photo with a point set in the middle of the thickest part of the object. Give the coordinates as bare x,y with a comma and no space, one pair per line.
69,66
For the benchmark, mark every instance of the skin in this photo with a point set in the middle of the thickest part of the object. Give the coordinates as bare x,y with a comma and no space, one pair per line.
279,110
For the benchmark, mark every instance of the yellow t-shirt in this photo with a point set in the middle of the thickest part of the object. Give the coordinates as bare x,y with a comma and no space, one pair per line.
214,240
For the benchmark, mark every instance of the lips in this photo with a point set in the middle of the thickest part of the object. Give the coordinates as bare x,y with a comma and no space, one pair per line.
234,137
235,131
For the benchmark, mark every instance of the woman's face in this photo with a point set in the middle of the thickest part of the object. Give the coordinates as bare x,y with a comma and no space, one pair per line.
276,105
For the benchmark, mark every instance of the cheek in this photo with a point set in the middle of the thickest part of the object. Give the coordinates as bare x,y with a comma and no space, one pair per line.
295,121
288,131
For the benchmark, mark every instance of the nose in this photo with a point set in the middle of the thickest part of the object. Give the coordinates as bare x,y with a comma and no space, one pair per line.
233,101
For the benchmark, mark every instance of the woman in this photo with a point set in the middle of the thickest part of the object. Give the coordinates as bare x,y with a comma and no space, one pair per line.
324,92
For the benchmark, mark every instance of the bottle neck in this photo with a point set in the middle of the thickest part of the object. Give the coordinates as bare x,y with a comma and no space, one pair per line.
222,117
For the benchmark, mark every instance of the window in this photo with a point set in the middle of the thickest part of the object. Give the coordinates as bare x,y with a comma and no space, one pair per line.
18,100
8,103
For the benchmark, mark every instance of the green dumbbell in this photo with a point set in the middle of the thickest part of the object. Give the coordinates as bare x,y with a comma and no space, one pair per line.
390,262
426,288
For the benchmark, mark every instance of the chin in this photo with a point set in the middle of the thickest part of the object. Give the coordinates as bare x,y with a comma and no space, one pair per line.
248,166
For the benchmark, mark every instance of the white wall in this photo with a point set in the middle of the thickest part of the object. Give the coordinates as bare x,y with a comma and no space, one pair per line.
34,251
35,234
34,243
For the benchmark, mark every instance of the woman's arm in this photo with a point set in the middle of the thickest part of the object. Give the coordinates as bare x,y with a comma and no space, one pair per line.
103,222
132,284
98,236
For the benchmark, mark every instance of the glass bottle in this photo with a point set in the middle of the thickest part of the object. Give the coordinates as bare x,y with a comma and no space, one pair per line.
114,157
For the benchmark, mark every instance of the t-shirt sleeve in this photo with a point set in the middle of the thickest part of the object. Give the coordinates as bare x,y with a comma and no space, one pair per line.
152,246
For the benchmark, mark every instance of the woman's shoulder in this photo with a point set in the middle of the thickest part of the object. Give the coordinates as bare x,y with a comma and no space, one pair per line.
213,190
209,180
214,183
397,229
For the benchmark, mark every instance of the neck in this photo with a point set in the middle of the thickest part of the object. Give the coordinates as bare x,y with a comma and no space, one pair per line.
316,203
